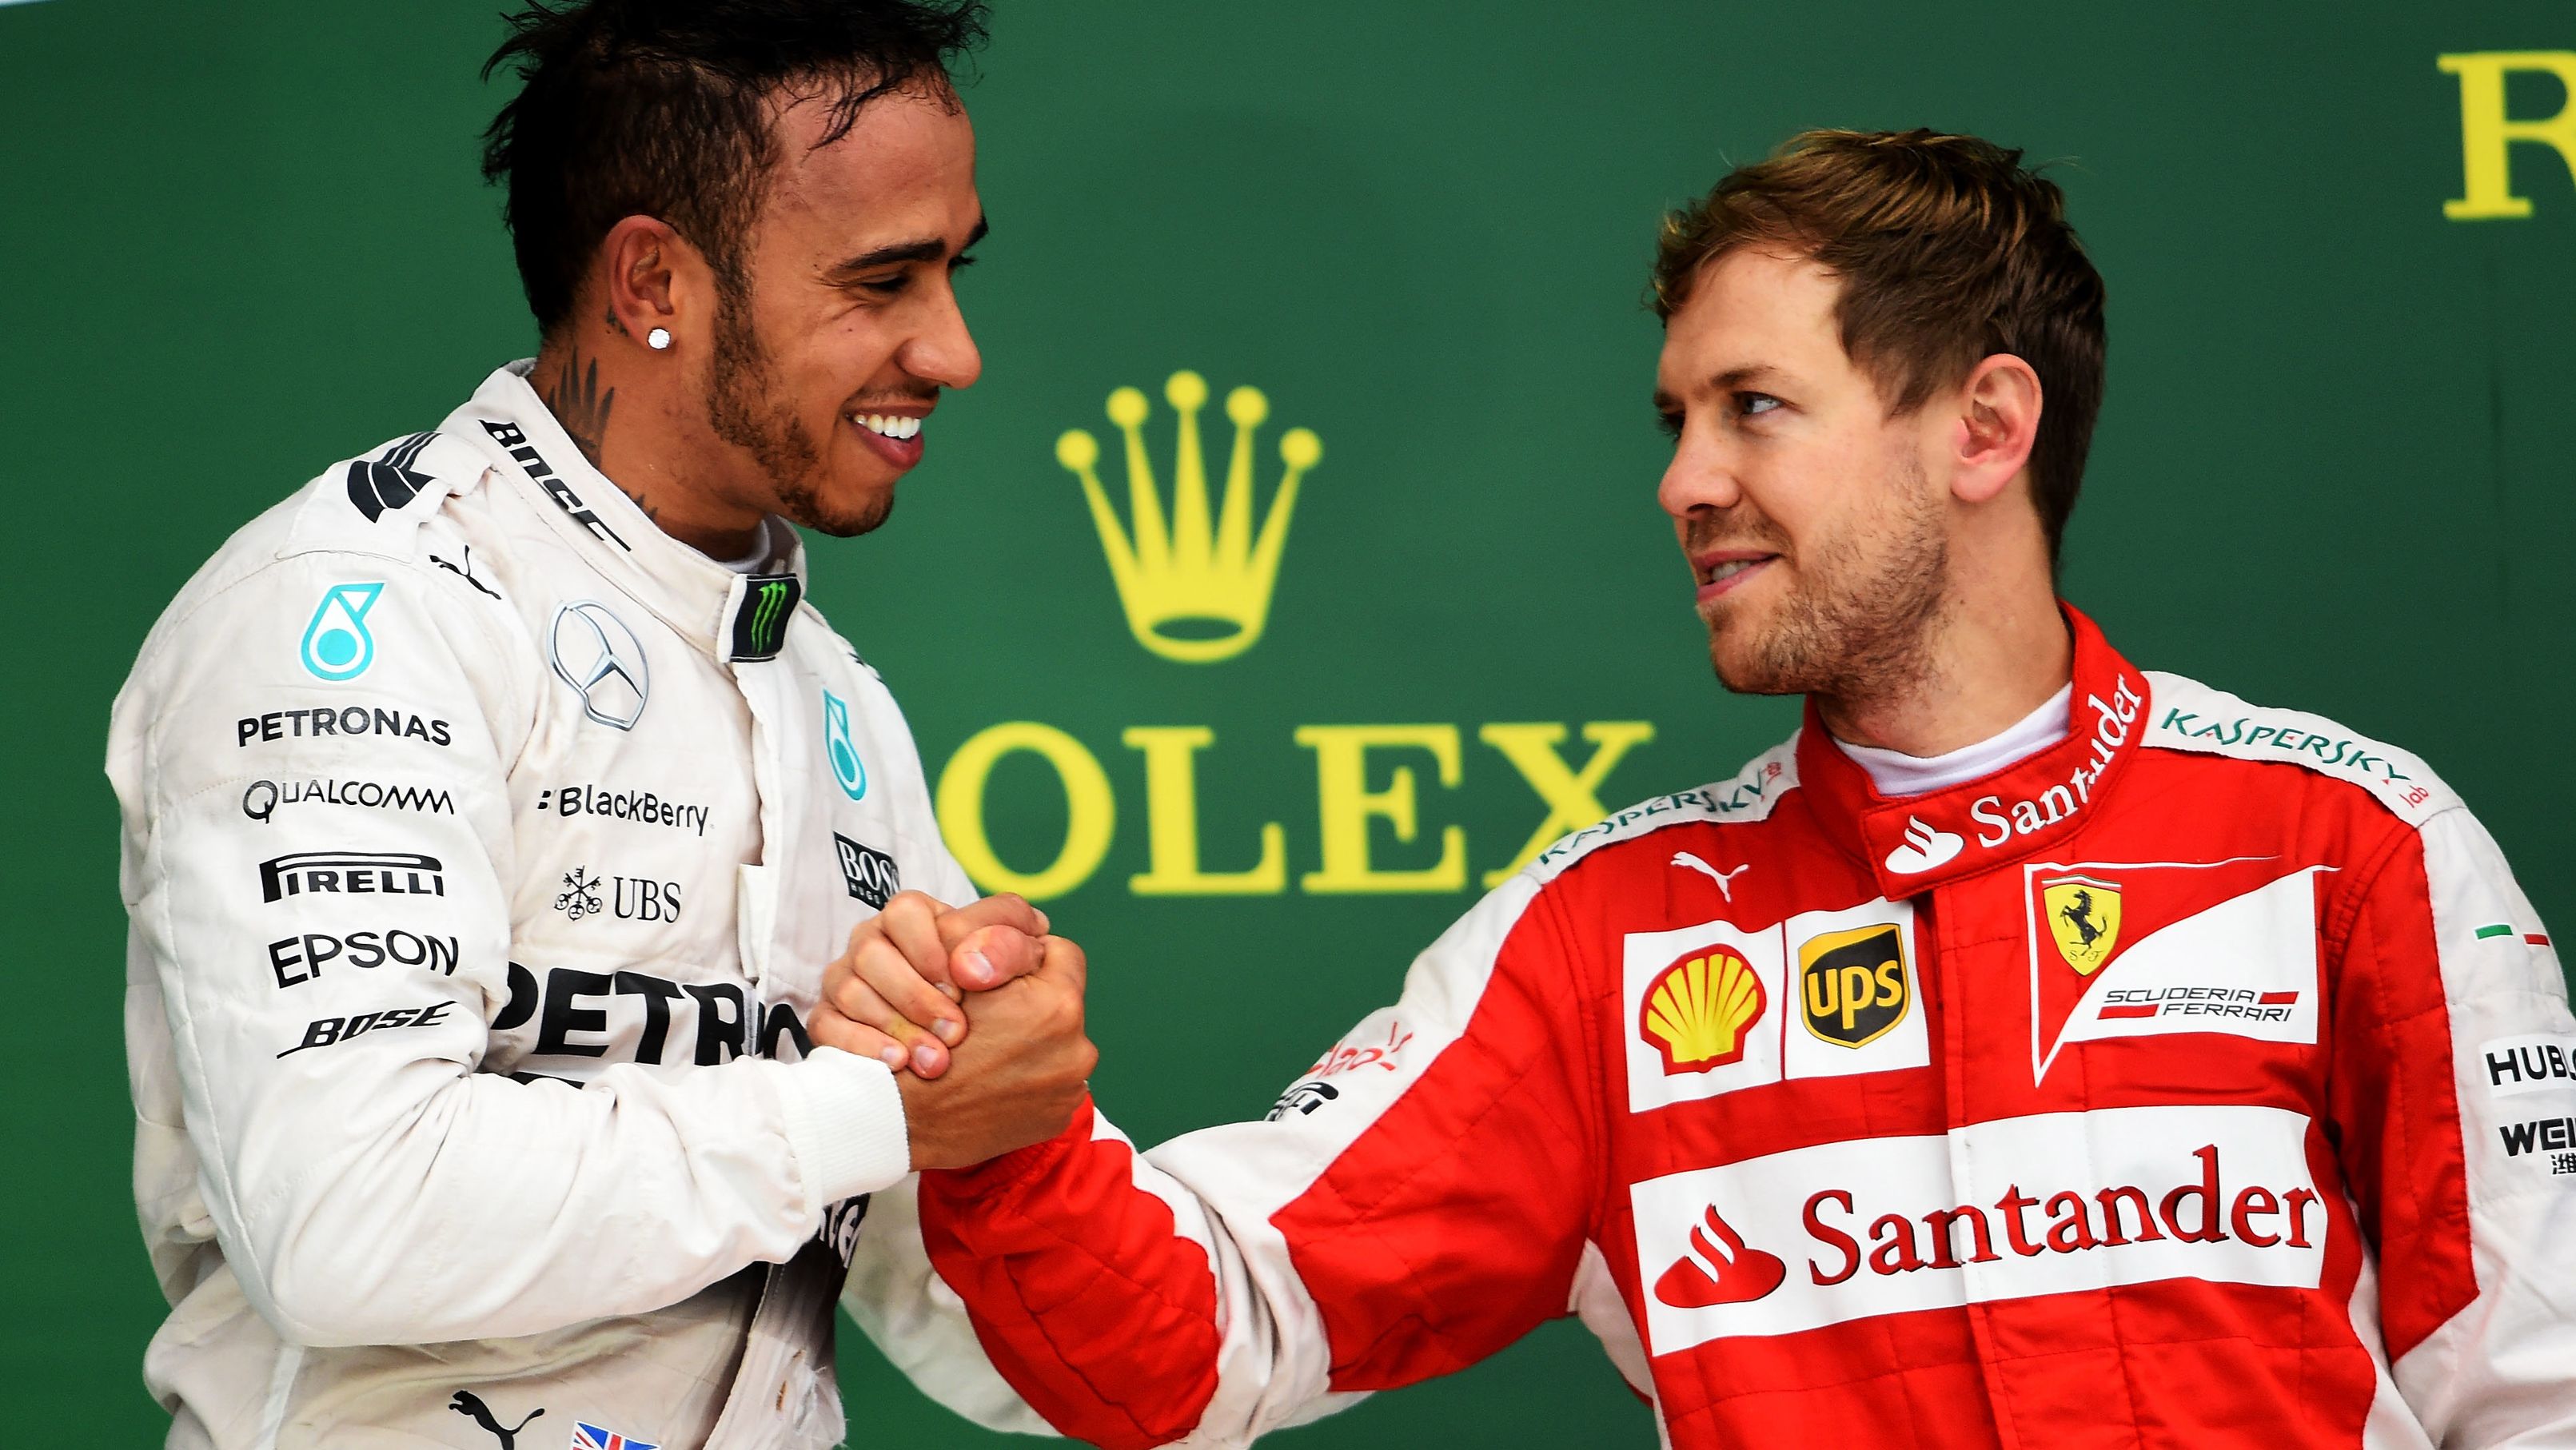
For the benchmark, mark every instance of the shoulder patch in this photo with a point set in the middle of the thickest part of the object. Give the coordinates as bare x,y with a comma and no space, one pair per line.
1749,796
2189,715
376,502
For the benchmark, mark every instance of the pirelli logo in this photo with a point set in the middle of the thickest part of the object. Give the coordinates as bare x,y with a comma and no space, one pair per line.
351,873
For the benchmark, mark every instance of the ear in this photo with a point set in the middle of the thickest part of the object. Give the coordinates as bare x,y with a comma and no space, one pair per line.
1996,424
653,279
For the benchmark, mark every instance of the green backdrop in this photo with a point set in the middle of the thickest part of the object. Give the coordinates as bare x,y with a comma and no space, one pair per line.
239,241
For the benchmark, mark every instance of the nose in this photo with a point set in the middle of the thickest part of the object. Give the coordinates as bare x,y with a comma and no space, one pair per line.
943,351
1700,478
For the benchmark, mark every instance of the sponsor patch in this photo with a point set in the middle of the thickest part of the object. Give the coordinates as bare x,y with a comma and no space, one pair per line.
2549,1142
2529,1063
328,1031
336,643
1853,987
767,602
870,875
511,437
643,807
1302,1099
389,482
2061,1202
2227,947
595,653
1709,1006
1700,1012
262,798
349,720
2084,917
841,750
351,873
296,960
580,895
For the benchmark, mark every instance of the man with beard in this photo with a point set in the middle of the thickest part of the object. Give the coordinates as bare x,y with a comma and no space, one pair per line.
2033,1050
493,804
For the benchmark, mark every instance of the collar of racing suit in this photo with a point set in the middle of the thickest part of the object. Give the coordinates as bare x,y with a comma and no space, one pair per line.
711,606
1913,844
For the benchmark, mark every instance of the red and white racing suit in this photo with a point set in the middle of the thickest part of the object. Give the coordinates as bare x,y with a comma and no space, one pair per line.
2203,1079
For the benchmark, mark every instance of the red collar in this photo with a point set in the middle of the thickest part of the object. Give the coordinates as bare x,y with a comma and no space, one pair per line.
1916,843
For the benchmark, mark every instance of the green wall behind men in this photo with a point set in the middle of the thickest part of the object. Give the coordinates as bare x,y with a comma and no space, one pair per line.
240,241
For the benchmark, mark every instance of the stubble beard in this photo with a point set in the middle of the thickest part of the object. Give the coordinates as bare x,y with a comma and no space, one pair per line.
1861,626
746,409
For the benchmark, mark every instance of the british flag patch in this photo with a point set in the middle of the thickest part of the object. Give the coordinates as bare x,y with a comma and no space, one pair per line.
591,1437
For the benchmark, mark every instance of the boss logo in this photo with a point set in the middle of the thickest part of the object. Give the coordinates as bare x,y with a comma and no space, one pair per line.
869,873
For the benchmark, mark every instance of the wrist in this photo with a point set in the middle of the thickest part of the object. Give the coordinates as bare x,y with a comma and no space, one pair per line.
844,1121
1005,1171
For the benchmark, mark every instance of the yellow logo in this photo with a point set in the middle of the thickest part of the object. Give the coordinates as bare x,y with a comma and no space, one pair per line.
1854,983
1197,589
2487,132
2084,916
1697,1011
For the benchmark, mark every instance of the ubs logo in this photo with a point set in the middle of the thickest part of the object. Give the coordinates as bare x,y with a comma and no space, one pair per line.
1853,984
603,661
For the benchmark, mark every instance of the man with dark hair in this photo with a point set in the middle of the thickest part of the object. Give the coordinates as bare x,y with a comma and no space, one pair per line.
2033,1050
493,804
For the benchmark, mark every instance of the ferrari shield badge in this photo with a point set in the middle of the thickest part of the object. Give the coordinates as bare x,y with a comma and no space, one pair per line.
2084,916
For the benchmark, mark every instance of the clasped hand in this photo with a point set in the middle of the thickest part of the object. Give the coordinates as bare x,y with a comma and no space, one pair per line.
979,1077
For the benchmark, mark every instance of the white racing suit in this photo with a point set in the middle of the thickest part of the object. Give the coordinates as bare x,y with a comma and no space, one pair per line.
484,847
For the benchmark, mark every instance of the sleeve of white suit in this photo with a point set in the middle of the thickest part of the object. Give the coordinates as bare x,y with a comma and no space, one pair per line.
366,1182
2456,1105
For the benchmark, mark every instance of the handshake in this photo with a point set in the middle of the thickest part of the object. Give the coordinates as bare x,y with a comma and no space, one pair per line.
899,995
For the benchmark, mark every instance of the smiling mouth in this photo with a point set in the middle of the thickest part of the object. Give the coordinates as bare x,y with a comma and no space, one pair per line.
888,425
1726,575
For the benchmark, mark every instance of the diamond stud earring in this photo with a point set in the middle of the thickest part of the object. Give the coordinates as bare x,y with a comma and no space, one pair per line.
659,339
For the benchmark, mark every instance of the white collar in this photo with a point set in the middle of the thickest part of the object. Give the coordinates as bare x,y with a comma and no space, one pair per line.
1895,773
511,427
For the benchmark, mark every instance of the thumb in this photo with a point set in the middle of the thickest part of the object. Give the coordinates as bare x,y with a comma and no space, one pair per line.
1063,962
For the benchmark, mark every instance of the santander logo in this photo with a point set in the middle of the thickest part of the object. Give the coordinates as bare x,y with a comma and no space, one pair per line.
1998,821
1925,849
2013,1208
1720,1272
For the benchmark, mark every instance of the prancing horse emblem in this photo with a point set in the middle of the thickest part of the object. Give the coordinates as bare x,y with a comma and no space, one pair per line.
2084,916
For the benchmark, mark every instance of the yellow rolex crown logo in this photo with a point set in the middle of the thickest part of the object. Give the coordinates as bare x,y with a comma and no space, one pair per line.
1196,588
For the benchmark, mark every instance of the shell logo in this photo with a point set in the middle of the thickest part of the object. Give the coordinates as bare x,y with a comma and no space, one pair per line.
1696,1013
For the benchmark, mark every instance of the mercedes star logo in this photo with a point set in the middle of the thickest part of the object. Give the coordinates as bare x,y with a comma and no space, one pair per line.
601,659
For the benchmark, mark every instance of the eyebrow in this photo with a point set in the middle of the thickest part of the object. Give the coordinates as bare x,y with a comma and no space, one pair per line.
1725,382
928,249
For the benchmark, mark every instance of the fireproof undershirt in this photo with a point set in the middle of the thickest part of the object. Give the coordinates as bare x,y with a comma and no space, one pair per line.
767,552
1898,774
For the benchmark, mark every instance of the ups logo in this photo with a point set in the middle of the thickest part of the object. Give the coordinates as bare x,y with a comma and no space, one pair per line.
1853,984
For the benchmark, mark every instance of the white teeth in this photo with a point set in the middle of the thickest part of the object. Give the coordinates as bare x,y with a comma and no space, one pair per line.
888,424
1730,569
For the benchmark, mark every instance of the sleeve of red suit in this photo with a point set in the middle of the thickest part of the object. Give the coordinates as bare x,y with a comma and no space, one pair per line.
2454,1105
1417,1202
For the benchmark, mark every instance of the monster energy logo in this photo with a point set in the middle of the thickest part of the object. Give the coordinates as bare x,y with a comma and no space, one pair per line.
764,615
760,621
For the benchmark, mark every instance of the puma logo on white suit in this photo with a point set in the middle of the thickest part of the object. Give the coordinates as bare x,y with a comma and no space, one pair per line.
1722,878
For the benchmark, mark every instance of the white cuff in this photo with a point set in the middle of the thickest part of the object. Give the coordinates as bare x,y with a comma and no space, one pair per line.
844,1121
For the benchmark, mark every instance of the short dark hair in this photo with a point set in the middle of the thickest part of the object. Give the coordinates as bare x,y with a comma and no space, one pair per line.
1949,250
658,108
